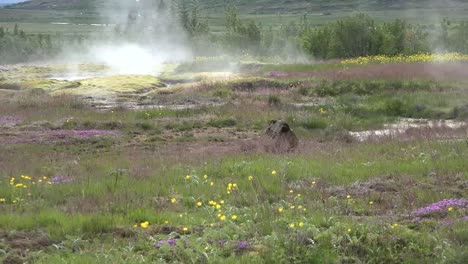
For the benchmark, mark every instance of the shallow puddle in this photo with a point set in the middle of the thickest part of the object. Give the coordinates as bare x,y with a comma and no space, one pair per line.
407,125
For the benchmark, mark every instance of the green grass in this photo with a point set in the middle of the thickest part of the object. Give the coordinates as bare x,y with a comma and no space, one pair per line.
330,202
264,195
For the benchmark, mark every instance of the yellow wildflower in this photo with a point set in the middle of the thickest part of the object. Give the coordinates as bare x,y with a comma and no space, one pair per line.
450,209
348,196
292,226
301,224
205,176
234,217
211,184
250,178
144,224
199,204
187,177
349,230
273,172
223,217
185,229
280,209
173,200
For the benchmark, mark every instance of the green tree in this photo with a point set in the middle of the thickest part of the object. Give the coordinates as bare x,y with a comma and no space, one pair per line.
241,36
459,39
353,37
189,17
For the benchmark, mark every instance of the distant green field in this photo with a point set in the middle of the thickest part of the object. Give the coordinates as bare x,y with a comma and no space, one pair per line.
44,21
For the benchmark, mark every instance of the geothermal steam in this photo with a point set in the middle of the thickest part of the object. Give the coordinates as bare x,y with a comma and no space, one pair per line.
146,35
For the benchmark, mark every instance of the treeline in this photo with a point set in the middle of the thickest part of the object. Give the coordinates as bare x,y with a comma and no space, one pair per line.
354,36
357,35
16,46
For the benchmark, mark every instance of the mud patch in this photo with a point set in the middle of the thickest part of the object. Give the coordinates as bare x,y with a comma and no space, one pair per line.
19,244
52,136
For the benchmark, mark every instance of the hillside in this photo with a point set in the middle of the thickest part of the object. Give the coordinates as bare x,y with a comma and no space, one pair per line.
263,6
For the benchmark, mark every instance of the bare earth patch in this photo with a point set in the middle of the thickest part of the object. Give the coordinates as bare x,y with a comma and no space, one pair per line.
51,136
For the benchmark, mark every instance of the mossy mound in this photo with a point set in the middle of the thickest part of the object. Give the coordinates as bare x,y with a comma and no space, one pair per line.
100,86
117,84
44,84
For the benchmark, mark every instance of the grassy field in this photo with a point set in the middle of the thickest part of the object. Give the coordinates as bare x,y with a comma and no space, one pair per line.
80,21
147,172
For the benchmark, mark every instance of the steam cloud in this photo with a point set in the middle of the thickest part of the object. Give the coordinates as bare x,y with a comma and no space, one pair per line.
146,36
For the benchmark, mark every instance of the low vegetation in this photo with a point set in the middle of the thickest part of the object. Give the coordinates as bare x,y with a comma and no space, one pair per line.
128,185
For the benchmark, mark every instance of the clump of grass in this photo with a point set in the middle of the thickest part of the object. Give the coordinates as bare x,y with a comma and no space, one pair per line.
369,87
223,93
460,112
223,122
274,101
184,126
145,125
313,123
97,225
252,84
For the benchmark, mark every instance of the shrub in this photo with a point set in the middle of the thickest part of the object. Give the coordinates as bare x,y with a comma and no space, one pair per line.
274,100
223,122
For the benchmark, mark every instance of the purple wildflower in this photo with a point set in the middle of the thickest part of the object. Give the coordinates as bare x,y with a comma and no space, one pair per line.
10,120
221,243
451,222
61,179
416,220
275,74
441,206
159,244
243,245
171,242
